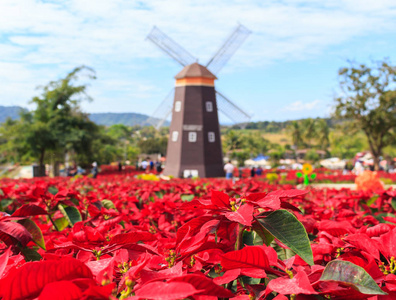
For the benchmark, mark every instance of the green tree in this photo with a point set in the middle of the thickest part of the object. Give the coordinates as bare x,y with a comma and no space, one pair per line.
232,140
346,146
312,156
322,134
153,145
368,100
57,125
296,133
309,133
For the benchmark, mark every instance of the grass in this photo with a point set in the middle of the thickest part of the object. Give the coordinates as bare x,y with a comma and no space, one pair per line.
278,138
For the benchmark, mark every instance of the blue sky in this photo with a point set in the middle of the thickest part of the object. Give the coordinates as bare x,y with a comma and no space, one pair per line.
286,69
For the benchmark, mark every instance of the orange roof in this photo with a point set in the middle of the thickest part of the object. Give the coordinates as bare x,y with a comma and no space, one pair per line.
195,70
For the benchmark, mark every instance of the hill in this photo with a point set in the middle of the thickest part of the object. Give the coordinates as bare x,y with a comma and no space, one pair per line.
275,127
107,119
9,112
132,119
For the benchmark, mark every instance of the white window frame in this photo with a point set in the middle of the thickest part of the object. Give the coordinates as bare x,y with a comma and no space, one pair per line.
190,173
178,105
209,106
211,137
192,136
175,135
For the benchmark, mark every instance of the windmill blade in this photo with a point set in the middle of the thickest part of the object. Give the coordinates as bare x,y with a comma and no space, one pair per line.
163,111
228,49
170,47
231,110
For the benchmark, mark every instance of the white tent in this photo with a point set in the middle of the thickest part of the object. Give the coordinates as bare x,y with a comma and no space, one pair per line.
333,163
257,163
250,163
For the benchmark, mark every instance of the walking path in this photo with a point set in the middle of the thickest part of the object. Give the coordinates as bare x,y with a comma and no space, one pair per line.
339,186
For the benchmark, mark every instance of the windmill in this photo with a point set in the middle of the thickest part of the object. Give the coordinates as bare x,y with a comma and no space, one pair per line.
194,145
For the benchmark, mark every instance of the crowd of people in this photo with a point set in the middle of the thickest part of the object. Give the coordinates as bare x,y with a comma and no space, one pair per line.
149,165
230,169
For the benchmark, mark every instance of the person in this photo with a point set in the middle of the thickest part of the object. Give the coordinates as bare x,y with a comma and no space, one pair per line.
80,171
151,165
253,172
94,170
144,165
229,169
119,166
358,169
72,171
259,171
240,169
158,166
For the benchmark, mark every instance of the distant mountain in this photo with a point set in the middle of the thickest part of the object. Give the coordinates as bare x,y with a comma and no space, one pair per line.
132,119
128,119
107,119
9,112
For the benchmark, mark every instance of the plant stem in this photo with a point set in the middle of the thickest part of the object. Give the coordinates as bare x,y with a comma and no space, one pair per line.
239,240
53,223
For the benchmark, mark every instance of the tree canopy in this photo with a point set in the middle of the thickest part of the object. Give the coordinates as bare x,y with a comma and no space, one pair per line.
309,133
57,124
368,100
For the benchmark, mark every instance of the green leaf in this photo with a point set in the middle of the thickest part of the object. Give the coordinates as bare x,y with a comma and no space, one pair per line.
159,195
5,202
35,231
108,204
380,217
75,201
265,236
187,197
283,254
53,190
393,203
352,275
61,223
30,254
285,227
122,223
250,280
372,200
248,237
71,213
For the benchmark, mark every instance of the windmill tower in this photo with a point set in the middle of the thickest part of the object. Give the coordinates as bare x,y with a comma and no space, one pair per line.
194,145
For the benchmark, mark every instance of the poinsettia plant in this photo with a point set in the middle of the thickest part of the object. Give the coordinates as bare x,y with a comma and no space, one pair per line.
118,237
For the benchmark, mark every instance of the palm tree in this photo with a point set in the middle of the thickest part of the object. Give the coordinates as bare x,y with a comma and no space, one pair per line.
308,128
295,131
322,134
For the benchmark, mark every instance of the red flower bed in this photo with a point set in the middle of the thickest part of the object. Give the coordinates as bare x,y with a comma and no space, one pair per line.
323,175
116,237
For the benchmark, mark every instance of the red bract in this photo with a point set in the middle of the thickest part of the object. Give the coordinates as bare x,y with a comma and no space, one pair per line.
119,237
248,257
298,284
29,280
11,233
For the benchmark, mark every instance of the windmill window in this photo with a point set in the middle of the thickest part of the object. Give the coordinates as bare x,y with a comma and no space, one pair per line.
178,106
192,137
209,106
211,137
175,135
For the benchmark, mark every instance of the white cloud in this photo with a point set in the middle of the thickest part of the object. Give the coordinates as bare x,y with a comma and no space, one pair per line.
42,40
303,106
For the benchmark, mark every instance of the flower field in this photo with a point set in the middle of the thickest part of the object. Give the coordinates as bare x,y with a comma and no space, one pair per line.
119,237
